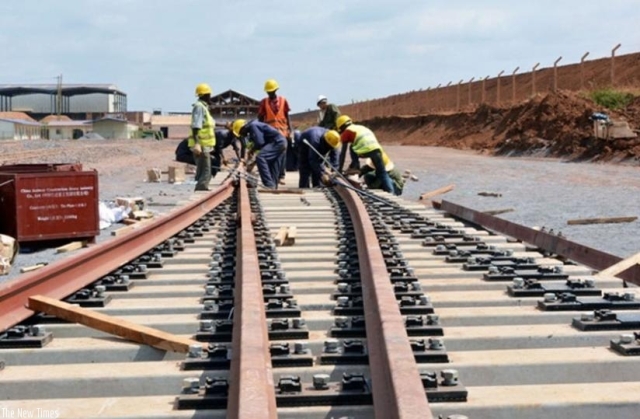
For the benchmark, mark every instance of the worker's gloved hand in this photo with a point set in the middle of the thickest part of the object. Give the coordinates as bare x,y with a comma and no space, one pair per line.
326,179
225,162
197,149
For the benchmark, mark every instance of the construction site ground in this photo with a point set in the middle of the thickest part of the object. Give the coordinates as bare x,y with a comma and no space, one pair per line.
541,191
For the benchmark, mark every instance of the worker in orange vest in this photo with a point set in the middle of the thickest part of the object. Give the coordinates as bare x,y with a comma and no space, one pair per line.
274,110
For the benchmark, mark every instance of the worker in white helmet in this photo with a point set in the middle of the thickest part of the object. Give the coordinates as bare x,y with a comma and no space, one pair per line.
328,113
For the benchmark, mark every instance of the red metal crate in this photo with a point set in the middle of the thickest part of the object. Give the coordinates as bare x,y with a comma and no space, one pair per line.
48,202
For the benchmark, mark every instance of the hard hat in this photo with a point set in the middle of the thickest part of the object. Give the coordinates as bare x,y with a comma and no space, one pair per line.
237,126
332,138
271,86
321,98
343,121
203,89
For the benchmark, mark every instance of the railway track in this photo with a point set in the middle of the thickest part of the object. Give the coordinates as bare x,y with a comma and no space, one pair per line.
381,308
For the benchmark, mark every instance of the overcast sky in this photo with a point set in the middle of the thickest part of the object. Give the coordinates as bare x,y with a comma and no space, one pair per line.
157,51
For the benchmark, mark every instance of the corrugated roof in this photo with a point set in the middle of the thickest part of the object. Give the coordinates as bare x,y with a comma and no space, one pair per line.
17,116
69,123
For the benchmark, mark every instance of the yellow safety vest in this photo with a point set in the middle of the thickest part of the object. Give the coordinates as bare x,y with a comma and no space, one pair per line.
365,141
206,135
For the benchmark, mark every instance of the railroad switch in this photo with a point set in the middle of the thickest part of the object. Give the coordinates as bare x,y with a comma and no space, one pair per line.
443,387
569,302
22,336
606,320
542,273
462,256
441,240
533,288
627,344
115,283
438,234
94,297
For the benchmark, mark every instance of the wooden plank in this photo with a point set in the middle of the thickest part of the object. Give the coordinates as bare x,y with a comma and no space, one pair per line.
437,192
291,191
610,220
281,236
621,266
70,247
33,267
499,211
291,236
112,325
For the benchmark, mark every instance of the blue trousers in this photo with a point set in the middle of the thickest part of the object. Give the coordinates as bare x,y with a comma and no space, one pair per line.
381,171
270,162
310,167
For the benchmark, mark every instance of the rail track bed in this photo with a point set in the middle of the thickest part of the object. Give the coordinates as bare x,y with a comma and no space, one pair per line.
378,307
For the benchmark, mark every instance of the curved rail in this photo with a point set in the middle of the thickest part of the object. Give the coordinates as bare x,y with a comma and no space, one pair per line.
68,275
396,385
251,391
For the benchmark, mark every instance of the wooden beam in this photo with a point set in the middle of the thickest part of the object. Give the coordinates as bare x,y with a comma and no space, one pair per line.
292,191
70,247
112,325
130,228
621,266
281,236
437,192
33,267
610,220
291,236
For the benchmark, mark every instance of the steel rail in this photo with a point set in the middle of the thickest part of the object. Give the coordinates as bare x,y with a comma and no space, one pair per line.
251,387
395,379
62,278
551,243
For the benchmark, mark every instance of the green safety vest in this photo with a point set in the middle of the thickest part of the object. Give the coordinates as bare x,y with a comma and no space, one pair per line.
365,141
206,135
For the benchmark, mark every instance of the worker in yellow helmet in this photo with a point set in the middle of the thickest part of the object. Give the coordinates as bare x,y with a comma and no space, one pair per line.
368,175
310,165
202,140
274,110
363,144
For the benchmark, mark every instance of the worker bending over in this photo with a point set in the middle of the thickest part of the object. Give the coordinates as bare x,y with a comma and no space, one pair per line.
328,114
202,139
224,139
310,165
274,110
268,146
368,175
362,144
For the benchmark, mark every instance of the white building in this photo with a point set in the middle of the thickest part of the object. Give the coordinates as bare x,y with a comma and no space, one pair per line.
18,126
114,128
64,128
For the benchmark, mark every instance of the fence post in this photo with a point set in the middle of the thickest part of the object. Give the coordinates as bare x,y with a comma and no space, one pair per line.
498,89
513,87
470,81
484,89
584,57
555,74
613,68
533,80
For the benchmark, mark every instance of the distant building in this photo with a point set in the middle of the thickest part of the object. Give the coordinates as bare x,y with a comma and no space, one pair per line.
114,128
64,128
78,101
172,126
19,126
231,105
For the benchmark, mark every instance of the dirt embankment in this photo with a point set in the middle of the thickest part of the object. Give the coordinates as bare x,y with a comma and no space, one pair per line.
553,125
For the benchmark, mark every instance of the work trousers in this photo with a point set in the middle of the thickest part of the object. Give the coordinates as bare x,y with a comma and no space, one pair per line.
203,169
310,167
270,162
381,171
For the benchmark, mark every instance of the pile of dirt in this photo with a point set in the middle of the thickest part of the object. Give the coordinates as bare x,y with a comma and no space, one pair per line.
554,125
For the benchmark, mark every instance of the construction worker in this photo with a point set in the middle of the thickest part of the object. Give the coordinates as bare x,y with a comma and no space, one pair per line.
328,113
367,172
202,140
274,110
225,139
325,142
267,144
362,143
